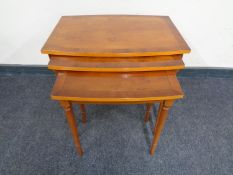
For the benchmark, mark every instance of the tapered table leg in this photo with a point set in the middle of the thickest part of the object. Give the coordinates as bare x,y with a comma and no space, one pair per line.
72,123
160,122
83,112
148,110
159,111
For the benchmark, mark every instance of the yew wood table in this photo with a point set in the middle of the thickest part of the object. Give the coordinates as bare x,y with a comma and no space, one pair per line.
116,59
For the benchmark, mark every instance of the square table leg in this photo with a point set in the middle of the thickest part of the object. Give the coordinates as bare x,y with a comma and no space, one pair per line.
67,106
160,122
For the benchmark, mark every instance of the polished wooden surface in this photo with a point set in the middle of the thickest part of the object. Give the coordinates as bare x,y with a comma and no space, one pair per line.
116,87
115,36
116,64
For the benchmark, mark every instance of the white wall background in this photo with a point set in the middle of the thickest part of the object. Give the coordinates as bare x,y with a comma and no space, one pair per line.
206,25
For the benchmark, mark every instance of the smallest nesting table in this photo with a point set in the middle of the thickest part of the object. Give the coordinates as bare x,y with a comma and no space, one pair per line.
117,88
116,59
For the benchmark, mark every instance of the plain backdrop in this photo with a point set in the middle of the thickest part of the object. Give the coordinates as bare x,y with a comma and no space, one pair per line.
206,25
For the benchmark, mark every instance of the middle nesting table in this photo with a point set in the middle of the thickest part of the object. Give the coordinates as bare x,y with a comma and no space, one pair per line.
134,80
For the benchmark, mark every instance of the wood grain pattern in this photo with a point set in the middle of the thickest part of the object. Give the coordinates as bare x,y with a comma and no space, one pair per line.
116,87
116,64
115,36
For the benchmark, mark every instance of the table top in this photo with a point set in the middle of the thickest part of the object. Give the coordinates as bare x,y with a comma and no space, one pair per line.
101,87
115,36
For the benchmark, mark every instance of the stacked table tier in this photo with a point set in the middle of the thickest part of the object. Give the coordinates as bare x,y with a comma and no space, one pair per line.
114,64
113,87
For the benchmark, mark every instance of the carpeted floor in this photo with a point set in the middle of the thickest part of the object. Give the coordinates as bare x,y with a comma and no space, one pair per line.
35,138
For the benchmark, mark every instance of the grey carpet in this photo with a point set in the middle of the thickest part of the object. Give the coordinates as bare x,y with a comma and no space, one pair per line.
35,138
